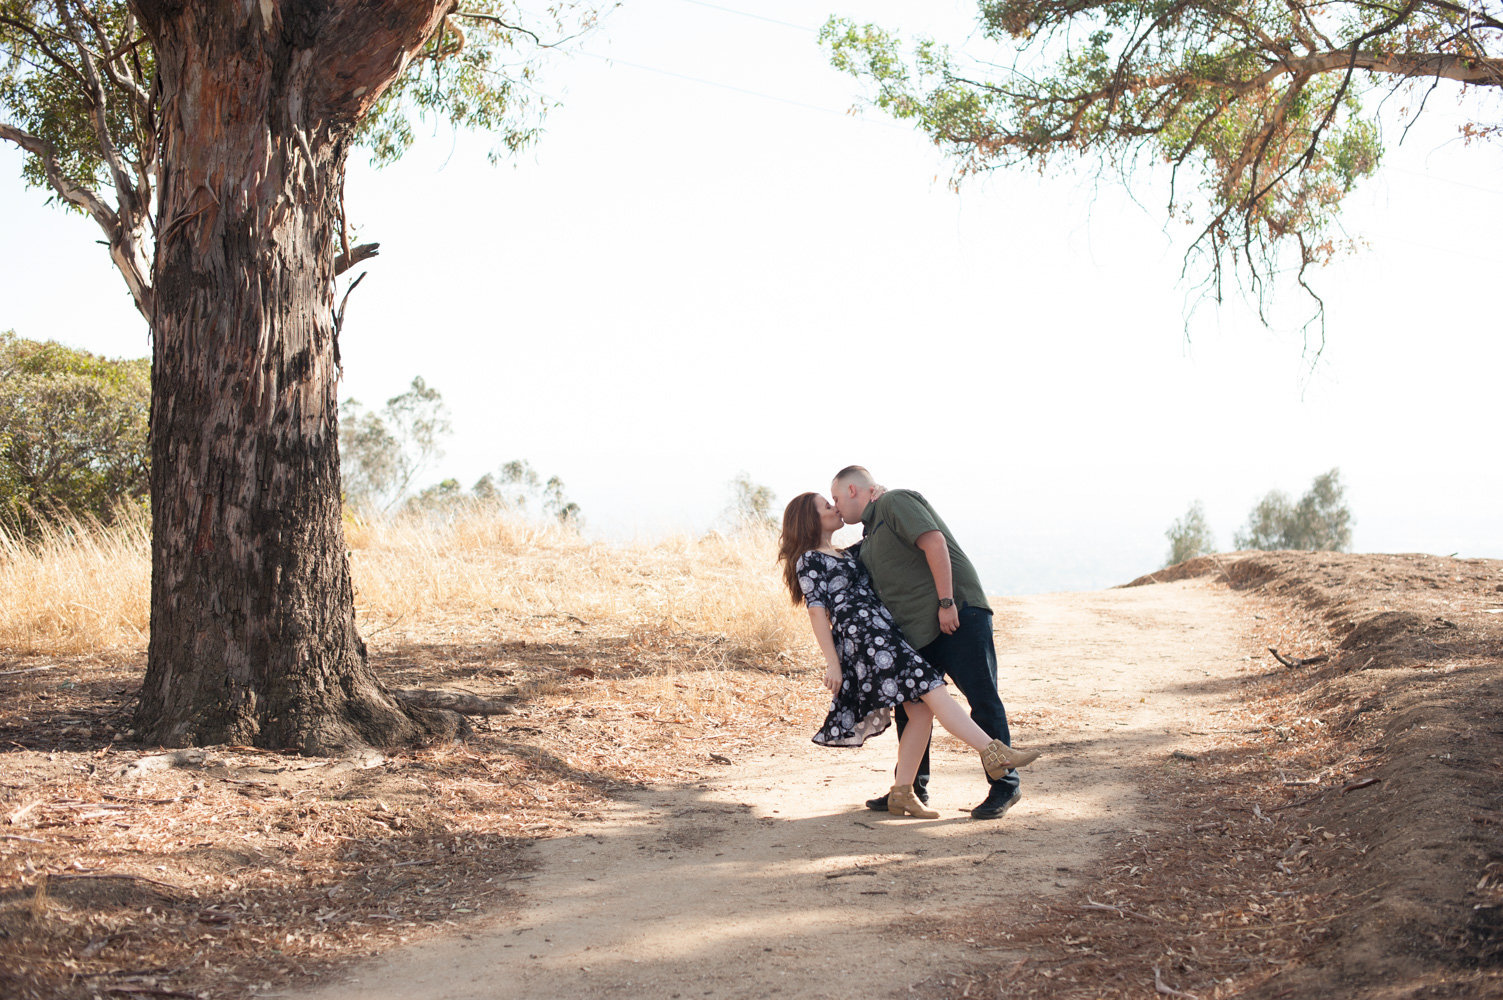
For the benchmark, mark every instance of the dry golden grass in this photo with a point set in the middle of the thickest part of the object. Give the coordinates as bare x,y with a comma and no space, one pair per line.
84,587
79,587
721,585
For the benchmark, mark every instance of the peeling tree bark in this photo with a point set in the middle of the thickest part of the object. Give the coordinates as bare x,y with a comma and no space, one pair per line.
253,635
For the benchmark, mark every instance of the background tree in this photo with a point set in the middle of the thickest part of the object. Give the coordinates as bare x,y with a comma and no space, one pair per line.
1263,103
443,497
1320,521
232,124
1190,536
72,431
382,454
518,487
1268,524
751,503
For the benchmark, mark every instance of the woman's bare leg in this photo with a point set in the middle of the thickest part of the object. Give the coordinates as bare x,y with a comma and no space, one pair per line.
954,718
915,740
996,756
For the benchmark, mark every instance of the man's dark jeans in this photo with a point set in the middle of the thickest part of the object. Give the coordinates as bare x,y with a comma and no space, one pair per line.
968,658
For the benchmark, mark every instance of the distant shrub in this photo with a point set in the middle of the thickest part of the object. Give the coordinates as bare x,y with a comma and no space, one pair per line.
1190,536
517,486
72,432
751,503
1320,521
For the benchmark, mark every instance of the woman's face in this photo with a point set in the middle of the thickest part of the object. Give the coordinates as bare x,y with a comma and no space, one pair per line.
829,517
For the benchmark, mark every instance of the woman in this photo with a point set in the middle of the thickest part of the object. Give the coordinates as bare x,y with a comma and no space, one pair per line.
869,667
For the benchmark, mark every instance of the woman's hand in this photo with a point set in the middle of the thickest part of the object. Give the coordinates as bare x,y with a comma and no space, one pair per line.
832,678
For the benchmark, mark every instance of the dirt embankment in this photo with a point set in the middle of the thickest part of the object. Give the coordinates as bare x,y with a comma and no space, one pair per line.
1347,839
1413,683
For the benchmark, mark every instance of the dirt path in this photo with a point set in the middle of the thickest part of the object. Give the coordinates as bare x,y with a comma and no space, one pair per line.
769,878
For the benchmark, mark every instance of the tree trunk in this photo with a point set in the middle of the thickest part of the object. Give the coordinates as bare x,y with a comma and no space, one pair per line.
253,635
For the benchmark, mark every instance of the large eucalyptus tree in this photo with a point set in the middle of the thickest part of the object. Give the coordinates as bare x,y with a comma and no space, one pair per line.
209,141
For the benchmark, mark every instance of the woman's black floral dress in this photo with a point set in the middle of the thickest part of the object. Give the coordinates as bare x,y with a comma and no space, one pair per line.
878,668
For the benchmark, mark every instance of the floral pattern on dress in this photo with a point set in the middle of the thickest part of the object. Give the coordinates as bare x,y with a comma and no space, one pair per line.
878,668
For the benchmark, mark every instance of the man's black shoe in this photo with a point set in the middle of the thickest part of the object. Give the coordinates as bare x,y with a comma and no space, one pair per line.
920,788
997,803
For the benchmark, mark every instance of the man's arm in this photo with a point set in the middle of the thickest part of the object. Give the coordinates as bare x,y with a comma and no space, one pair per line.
937,552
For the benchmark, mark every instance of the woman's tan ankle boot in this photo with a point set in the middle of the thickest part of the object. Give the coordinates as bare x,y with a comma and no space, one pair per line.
903,802
998,758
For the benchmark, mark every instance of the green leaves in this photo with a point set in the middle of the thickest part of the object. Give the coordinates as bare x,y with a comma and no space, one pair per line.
45,90
1190,536
72,431
1263,101
1320,521
477,74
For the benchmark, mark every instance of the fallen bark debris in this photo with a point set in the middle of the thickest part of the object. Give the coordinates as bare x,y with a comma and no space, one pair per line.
19,814
191,757
853,871
454,701
1091,904
28,670
1298,661
1160,986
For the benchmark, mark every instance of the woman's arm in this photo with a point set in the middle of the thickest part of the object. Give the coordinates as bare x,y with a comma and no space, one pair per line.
819,618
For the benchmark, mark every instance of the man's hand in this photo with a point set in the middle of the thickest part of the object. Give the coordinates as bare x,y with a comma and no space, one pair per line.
936,550
832,678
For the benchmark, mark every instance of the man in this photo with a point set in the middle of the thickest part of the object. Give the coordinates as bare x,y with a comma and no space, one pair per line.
935,596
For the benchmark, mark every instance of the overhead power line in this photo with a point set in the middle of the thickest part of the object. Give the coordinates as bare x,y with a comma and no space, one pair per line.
754,17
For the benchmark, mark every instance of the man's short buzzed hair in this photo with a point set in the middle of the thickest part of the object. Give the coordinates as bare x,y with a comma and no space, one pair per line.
856,474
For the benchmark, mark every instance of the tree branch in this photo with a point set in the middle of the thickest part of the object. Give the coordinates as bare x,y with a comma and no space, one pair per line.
474,15
30,30
366,47
110,54
354,255
73,194
88,201
125,187
1479,71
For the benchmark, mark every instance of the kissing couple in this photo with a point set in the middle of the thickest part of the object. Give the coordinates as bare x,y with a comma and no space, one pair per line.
894,615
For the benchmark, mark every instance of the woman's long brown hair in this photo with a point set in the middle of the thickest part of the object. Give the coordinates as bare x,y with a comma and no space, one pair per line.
801,532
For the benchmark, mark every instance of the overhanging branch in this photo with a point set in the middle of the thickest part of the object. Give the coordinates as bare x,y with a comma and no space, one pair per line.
90,202
73,194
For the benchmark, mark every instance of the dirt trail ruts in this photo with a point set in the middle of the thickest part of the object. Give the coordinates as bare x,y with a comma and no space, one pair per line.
770,878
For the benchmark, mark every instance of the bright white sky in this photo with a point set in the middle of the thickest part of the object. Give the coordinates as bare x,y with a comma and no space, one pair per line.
707,267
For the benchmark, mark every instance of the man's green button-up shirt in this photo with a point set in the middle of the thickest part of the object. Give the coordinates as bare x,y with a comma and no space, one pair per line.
893,522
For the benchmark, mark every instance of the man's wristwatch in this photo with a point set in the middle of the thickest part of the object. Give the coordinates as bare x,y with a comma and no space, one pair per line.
947,602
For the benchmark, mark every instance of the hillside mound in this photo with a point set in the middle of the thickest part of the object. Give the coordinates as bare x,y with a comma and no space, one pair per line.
1401,667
